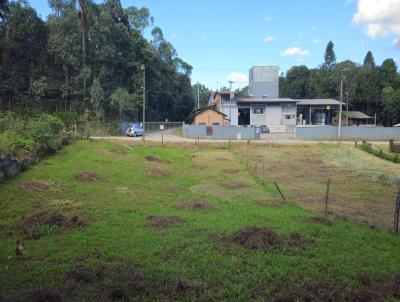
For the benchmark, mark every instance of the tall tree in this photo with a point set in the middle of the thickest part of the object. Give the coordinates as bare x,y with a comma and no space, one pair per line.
330,57
369,61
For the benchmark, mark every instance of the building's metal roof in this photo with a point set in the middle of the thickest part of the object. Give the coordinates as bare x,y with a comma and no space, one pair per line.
264,100
318,102
358,115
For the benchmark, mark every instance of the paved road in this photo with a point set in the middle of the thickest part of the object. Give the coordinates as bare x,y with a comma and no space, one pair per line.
170,137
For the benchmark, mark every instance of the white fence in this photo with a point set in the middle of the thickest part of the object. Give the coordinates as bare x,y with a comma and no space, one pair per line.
347,132
227,132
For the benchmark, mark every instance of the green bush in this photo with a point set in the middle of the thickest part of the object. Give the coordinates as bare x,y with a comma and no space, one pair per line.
37,134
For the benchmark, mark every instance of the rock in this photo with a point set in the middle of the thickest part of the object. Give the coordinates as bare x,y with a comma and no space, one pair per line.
2,175
12,169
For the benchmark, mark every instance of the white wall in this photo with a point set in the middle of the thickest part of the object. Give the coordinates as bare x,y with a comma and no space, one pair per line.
234,113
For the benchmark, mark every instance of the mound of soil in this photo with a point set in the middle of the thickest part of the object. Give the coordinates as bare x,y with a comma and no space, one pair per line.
364,295
35,186
88,176
256,238
151,158
392,286
267,239
231,171
36,225
43,295
221,158
234,185
195,205
86,275
163,221
320,220
156,172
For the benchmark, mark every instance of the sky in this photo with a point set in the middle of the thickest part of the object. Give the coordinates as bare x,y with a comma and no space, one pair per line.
222,39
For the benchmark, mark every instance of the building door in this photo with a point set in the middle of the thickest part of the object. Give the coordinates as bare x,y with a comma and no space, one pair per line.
274,115
244,116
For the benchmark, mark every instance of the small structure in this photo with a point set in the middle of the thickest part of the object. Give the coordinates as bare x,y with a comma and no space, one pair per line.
397,125
317,111
210,116
358,118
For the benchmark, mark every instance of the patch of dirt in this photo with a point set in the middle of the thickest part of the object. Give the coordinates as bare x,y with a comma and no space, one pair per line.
195,205
156,172
256,238
234,185
364,295
231,171
320,220
267,239
221,158
41,223
151,158
35,186
88,176
160,222
43,295
86,275
392,286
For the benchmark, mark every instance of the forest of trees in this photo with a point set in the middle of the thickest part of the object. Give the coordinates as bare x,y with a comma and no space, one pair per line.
367,87
86,58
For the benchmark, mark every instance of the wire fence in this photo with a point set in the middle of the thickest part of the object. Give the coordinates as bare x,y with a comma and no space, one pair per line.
86,130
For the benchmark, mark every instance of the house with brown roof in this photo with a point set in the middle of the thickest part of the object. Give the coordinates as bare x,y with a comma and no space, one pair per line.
210,116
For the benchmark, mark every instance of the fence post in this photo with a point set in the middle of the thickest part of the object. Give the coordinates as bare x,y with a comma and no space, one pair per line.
75,129
280,192
397,211
327,196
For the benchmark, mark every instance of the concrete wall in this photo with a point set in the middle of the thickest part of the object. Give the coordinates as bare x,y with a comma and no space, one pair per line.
229,132
350,132
258,119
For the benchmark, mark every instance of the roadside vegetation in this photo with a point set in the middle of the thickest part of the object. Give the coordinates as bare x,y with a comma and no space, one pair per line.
31,134
100,221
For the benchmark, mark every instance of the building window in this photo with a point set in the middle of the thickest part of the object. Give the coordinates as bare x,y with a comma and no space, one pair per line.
258,110
215,124
290,116
202,123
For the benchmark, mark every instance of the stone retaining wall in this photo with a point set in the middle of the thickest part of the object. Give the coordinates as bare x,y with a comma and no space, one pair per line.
10,167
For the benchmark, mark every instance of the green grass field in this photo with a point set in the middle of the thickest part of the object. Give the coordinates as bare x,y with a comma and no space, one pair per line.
121,255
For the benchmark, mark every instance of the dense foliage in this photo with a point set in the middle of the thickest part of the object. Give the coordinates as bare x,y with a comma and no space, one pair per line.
367,87
34,136
87,58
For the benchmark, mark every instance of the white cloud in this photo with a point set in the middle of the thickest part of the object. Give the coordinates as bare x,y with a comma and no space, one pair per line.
173,36
237,77
295,52
268,39
316,40
314,28
379,18
267,18
396,42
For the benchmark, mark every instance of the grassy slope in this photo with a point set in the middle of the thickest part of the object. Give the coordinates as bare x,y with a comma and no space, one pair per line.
118,233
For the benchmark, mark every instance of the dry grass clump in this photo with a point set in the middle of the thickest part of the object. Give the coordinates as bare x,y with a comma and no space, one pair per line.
88,176
195,205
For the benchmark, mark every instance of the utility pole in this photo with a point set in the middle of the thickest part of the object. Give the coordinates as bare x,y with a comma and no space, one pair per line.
142,67
341,101
230,101
347,108
198,95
